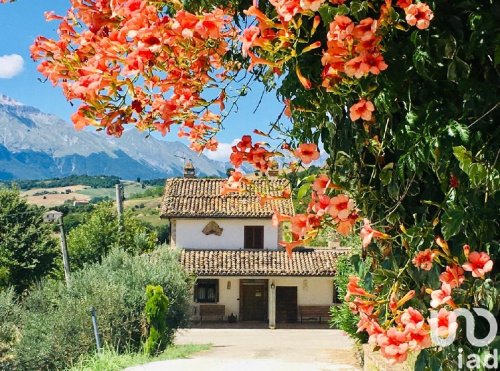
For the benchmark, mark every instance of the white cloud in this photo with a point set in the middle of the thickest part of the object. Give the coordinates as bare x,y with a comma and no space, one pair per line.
223,151
10,65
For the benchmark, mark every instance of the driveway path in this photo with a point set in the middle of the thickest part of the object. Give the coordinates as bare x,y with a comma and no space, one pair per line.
263,350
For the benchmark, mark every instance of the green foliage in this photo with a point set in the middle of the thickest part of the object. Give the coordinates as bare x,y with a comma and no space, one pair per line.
342,316
156,314
156,191
427,165
28,250
9,330
101,181
55,322
98,234
160,182
111,360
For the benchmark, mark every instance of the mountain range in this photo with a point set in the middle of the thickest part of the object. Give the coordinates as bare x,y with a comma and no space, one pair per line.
37,145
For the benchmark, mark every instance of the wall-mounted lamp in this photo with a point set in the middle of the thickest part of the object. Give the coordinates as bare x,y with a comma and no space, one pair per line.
272,286
228,286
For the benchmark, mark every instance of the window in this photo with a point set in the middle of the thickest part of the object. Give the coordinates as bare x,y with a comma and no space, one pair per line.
254,237
206,291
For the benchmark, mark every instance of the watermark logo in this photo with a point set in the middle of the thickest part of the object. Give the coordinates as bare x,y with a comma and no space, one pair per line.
470,324
488,361
473,361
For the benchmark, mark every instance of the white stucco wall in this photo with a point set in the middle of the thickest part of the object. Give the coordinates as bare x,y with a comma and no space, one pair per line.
310,291
188,234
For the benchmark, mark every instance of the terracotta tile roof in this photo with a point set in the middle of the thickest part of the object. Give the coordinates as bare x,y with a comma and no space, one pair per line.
199,198
308,262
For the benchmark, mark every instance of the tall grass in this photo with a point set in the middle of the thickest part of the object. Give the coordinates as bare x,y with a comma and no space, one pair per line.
111,360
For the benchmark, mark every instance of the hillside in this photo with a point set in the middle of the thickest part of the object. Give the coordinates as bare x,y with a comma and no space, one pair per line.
36,145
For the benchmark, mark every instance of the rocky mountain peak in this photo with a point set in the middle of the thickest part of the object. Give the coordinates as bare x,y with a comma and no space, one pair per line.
8,101
37,145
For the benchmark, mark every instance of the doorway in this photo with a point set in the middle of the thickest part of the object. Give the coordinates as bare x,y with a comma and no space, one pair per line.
253,300
286,304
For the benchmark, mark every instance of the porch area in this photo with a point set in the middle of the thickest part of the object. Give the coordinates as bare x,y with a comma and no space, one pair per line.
270,302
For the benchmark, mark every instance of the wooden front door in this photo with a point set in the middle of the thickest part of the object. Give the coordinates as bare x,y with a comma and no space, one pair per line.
253,300
286,304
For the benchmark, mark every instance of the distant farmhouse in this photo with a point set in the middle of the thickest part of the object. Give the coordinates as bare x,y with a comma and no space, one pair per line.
230,245
51,216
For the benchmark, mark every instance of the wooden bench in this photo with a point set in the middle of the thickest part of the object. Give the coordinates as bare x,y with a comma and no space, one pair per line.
212,310
314,311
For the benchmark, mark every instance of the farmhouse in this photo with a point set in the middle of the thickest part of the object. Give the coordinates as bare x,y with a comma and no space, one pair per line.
51,216
230,244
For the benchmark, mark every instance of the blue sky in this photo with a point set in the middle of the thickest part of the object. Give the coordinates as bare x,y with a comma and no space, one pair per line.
22,21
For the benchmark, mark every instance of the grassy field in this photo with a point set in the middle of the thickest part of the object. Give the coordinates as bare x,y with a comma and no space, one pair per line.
146,209
50,197
55,196
129,188
109,360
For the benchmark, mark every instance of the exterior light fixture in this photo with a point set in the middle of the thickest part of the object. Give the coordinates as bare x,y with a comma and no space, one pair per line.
272,286
228,286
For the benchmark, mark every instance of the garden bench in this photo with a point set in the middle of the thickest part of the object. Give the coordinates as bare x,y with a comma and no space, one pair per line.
314,311
212,310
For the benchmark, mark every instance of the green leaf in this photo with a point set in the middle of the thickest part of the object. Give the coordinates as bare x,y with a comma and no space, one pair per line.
422,360
386,174
327,12
458,70
359,8
477,173
450,47
463,132
422,61
451,222
463,156
494,181
497,56
411,117
303,190
435,364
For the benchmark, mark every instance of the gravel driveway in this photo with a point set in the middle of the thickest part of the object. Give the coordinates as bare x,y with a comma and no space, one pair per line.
263,350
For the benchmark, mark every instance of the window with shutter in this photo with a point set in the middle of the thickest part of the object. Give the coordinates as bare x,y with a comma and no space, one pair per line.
206,291
254,237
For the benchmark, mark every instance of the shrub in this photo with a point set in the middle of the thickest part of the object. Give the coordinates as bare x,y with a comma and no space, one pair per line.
156,312
9,331
28,250
56,324
97,235
341,316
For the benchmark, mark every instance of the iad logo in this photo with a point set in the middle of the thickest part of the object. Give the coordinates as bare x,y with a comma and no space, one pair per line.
488,361
473,361
470,324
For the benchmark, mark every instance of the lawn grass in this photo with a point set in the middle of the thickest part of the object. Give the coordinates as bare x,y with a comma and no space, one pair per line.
110,360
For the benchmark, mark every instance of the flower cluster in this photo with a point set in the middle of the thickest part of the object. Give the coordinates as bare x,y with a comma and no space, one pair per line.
253,153
408,329
234,183
130,63
325,208
353,49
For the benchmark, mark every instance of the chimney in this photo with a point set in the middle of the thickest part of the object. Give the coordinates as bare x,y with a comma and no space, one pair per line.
189,171
273,169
